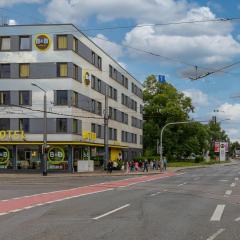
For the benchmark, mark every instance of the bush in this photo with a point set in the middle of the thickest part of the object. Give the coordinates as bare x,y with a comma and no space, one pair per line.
199,159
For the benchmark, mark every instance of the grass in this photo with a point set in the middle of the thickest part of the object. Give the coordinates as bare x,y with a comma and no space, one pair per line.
192,164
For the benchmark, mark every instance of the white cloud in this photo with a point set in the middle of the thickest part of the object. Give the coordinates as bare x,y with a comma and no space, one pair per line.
4,3
231,111
12,22
208,43
112,48
199,99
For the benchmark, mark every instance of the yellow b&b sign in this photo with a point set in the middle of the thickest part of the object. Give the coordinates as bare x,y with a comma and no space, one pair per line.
9,134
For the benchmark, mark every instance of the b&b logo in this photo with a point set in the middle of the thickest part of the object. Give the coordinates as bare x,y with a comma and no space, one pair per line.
42,42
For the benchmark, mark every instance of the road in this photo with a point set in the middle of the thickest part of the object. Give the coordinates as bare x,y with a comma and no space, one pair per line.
196,204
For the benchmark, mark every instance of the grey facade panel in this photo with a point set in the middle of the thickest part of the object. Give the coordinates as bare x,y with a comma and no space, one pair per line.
14,43
70,70
55,42
79,74
80,127
70,41
14,124
43,70
36,125
69,125
14,96
84,51
14,70
69,96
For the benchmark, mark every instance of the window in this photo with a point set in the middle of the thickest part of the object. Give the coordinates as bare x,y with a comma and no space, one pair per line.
4,123
62,42
126,83
5,98
99,62
62,125
93,106
115,114
99,131
93,127
110,70
74,99
141,139
93,58
75,126
99,108
110,133
24,70
115,94
93,82
24,98
24,124
99,85
75,72
5,70
62,97
122,98
141,109
122,80
62,70
110,91
5,43
115,134
24,43
123,117
75,44
115,73
110,112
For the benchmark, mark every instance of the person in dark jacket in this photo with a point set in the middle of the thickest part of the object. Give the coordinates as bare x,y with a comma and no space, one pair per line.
145,166
110,166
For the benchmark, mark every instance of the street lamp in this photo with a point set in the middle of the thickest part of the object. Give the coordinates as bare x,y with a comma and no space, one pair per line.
44,165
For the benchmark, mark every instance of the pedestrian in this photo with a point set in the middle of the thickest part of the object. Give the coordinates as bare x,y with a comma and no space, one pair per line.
145,165
165,164
154,165
109,167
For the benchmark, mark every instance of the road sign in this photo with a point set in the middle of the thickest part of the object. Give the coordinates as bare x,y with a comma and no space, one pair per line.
222,153
161,78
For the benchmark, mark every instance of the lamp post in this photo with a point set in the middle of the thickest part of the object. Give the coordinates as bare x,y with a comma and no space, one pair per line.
44,165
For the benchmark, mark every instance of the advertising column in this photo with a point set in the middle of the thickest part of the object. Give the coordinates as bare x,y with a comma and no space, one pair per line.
222,152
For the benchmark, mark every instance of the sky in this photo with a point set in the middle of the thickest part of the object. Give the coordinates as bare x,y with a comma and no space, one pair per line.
180,47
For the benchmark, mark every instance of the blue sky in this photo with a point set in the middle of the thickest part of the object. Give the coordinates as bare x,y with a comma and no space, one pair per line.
207,45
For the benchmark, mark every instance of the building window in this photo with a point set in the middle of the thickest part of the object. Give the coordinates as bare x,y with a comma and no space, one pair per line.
115,134
75,72
25,43
93,58
126,83
99,108
62,70
5,70
5,98
62,125
74,99
110,70
5,43
75,44
62,42
114,73
99,62
115,94
24,124
110,112
62,97
24,98
99,85
93,127
75,126
24,71
99,131
4,124
93,82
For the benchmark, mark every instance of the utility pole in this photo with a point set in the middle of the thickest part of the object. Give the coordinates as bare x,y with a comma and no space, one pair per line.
44,149
106,116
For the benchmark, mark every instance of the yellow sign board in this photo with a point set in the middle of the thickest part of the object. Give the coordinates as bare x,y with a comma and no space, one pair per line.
42,42
86,77
10,134
89,135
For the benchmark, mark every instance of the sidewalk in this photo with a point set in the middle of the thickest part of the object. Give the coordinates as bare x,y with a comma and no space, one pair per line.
101,173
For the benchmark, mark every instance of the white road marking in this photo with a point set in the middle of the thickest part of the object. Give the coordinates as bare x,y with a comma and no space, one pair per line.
228,192
233,185
155,194
197,178
182,184
113,211
218,212
236,178
223,180
216,234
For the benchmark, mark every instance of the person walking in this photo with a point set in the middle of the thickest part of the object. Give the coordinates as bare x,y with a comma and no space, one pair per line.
165,164
145,166
110,167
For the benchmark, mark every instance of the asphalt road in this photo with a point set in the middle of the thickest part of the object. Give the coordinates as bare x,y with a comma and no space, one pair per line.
198,204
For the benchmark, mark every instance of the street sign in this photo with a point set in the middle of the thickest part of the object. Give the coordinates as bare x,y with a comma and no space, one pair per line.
161,78
222,153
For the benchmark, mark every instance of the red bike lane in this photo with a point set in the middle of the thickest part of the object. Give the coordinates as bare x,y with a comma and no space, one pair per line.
26,202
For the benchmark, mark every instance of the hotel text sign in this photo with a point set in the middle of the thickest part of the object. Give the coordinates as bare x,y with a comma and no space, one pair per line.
12,135
89,135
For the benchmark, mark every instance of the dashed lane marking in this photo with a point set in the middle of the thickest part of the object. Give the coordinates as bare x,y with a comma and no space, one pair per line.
111,212
233,185
179,185
228,192
236,178
217,215
221,230
155,194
